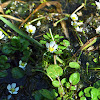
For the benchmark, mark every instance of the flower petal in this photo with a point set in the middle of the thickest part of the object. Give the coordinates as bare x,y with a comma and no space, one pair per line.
15,92
9,87
20,62
13,85
55,47
16,89
11,92
47,45
52,43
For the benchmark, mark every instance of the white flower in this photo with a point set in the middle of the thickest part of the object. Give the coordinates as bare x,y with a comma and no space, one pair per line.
79,29
38,23
98,30
74,23
74,17
52,46
12,88
1,35
22,64
31,29
98,4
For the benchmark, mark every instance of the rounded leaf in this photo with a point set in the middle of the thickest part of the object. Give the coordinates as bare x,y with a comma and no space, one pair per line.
67,85
83,98
74,78
73,88
63,81
81,93
60,91
55,83
97,84
66,43
94,93
17,72
3,73
54,71
87,91
74,65
46,93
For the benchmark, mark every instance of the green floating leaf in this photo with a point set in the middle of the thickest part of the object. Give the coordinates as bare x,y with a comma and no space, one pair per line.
3,73
74,78
94,93
83,98
59,98
5,66
17,72
74,65
55,83
67,85
97,84
54,71
7,50
87,91
95,98
47,94
3,59
63,81
20,32
73,88
81,93
60,91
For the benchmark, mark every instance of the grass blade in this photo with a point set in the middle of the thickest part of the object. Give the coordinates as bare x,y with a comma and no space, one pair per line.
20,32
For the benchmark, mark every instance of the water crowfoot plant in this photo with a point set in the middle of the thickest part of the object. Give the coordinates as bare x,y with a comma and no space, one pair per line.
31,29
22,64
52,46
12,88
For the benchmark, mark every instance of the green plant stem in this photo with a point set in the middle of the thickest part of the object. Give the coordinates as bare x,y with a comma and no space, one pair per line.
60,84
55,24
34,70
79,56
51,33
85,2
95,68
37,19
58,76
79,8
20,32
81,43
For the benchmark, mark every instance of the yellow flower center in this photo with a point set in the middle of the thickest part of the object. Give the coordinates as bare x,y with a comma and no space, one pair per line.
73,18
30,30
22,64
51,49
12,89
0,37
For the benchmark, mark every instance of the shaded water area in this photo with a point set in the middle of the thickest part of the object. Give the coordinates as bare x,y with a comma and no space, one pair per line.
32,78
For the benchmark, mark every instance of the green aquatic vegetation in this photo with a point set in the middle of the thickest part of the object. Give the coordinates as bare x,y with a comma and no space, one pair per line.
47,55
91,92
